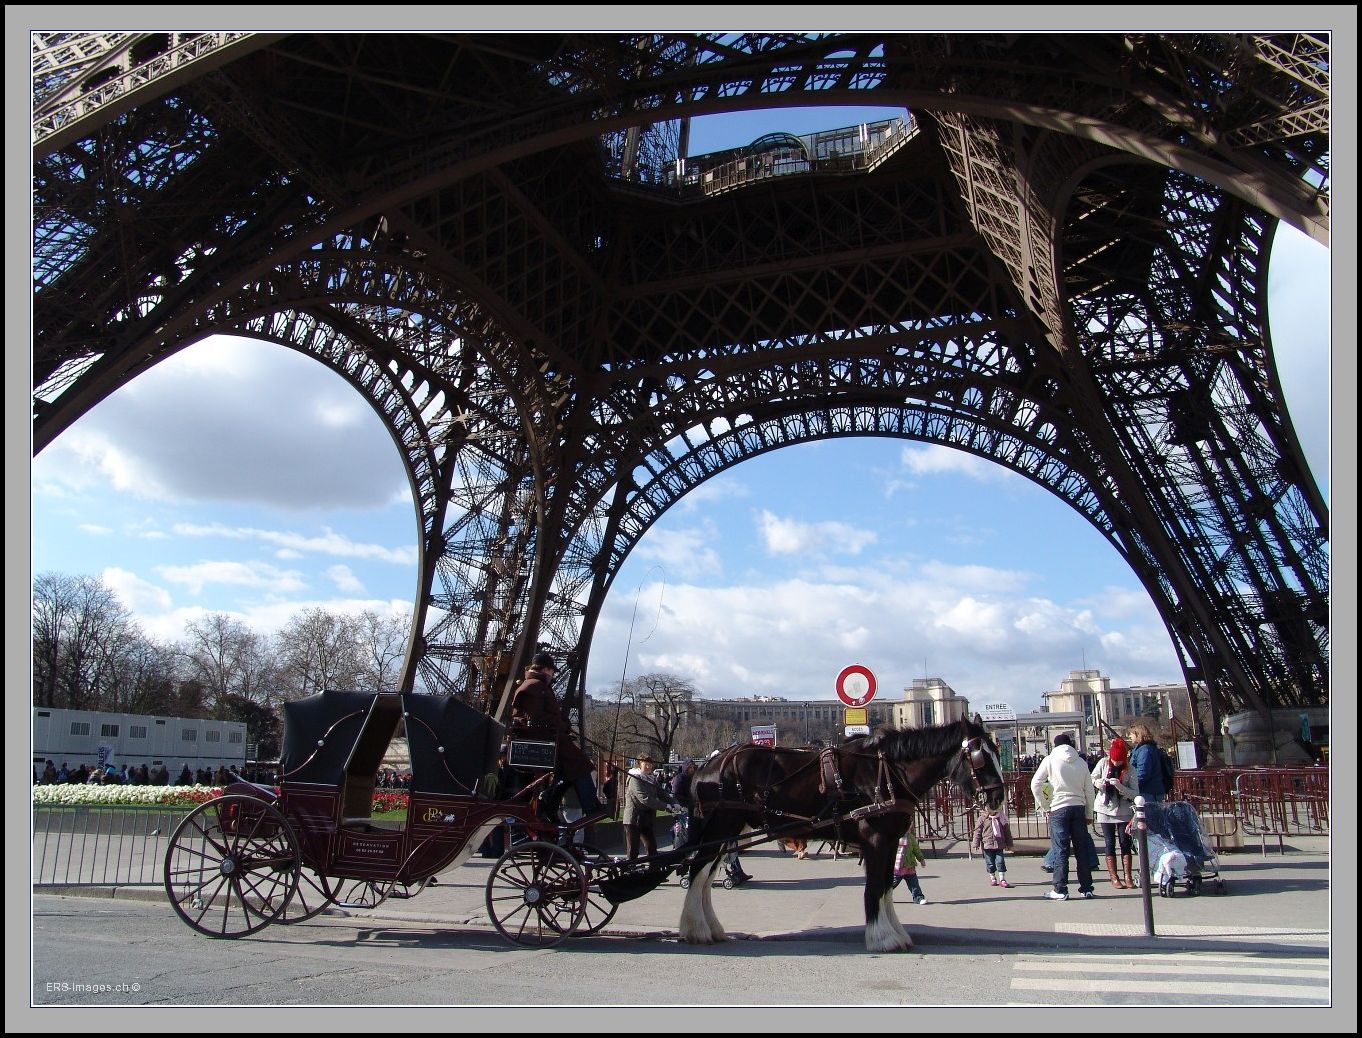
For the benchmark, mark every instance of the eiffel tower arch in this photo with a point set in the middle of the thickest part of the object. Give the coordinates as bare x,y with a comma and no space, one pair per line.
1056,260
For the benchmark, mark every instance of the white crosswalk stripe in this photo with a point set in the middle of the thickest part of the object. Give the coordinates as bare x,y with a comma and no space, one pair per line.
1188,977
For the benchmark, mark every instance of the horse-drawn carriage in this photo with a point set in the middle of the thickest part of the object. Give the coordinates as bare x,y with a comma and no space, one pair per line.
259,855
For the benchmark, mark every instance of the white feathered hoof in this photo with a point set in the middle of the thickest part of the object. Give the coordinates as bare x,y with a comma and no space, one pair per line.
698,930
689,935
883,936
698,924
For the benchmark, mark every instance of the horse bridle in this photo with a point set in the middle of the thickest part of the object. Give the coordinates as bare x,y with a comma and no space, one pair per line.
976,754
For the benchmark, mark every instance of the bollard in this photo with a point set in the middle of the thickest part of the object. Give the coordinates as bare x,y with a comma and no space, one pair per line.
1142,838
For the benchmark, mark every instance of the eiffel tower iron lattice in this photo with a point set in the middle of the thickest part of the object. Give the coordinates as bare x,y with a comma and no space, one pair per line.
1057,261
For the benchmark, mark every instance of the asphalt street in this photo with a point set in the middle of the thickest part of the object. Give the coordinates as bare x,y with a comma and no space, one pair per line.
796,939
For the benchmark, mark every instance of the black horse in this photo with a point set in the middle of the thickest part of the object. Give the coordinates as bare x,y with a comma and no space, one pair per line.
863,792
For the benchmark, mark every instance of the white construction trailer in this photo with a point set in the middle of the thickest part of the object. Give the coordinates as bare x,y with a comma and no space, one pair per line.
76,737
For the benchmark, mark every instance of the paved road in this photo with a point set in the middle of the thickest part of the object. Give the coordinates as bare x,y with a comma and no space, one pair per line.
796,942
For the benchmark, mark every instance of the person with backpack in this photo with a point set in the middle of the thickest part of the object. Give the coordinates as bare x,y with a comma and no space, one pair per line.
1153,769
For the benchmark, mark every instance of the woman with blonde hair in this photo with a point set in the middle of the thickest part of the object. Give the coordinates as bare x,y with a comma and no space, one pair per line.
1148,761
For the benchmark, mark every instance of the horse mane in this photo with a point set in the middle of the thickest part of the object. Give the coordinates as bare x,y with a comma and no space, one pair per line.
903,745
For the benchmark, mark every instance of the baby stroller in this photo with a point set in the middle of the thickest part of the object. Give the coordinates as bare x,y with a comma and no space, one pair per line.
1178,851
734,876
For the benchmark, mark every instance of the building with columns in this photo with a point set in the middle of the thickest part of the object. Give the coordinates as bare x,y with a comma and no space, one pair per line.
1089,693
929,701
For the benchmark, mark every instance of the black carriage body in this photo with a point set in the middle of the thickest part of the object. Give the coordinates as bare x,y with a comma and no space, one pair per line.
334,745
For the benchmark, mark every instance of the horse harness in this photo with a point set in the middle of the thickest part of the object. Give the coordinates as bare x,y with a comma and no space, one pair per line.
884,797
831,784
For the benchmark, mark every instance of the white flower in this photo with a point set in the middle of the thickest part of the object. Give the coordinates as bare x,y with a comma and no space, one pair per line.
85,795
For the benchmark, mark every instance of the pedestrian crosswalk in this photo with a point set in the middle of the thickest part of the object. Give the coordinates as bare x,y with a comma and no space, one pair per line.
1171,978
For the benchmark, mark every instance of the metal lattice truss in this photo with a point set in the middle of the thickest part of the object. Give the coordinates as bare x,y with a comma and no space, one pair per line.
1056,261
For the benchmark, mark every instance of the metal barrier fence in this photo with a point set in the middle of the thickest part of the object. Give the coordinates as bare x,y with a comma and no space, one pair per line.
99,846
1282,803
1230,803
126,846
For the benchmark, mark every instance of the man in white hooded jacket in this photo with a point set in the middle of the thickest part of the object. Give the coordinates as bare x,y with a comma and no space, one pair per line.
1071,807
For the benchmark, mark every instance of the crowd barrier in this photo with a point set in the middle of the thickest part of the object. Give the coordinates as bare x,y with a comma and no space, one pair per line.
97,846
1231,803
101,846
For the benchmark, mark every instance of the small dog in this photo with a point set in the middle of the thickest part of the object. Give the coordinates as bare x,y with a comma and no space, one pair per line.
800,848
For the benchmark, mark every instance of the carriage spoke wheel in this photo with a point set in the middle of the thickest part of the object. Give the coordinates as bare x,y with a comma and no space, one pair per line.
357,893
232,867
311,897
536,894
597,909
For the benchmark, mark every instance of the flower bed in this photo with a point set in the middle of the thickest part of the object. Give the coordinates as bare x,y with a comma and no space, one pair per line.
385,803
91,795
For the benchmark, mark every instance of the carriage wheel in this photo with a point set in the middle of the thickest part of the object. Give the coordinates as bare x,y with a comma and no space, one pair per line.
362,894
536,894
311,897
232,866
597,909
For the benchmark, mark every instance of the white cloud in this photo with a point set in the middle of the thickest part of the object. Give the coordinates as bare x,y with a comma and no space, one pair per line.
683,553
974,627
1299,293
232,420
327,543
791,537
94,529
241,574
166,624
1121,603
983,578
344,578
138,595
934,459
721,488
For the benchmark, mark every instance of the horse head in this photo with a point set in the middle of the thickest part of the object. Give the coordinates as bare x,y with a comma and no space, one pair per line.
976,769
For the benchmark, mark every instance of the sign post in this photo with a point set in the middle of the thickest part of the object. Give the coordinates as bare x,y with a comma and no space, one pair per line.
856,685
764,734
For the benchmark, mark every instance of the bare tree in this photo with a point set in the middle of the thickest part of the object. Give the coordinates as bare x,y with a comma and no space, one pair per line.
79,631
658,705
147,676
227,658
382,645
701,736
316,650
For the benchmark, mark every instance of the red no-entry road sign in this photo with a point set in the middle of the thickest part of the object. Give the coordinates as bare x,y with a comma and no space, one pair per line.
856,685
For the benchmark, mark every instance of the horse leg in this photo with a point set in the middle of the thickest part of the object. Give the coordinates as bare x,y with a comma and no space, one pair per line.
698,922
883,931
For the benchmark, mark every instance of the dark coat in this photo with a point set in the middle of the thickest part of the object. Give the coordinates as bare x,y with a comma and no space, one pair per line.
535,714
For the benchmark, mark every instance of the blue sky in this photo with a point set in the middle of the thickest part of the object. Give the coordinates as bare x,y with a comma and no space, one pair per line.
241,477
